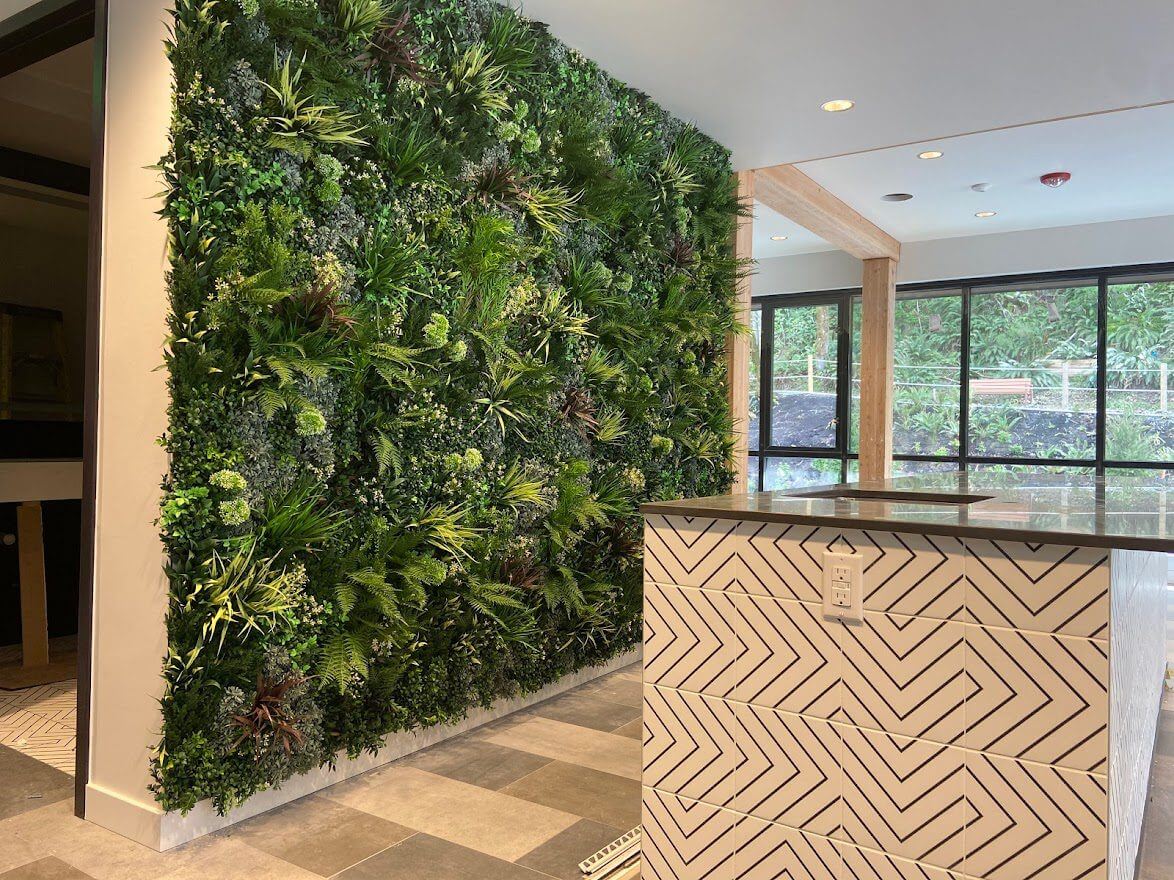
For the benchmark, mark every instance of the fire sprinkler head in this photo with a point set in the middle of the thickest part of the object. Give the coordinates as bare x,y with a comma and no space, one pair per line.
1055,178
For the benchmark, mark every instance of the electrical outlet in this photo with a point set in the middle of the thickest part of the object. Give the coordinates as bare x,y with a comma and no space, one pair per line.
843,586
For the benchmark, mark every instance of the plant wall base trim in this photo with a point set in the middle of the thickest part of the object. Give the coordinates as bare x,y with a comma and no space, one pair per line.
447,303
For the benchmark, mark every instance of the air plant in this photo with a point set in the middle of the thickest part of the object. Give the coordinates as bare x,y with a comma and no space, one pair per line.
682,253
270,719
319,306
522,571
300,120
547,206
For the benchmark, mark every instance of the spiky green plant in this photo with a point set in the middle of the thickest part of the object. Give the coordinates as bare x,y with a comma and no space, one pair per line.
299,122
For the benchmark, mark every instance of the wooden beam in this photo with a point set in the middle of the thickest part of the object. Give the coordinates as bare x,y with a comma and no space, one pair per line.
790,192
738,344
34,619
43,171
879,301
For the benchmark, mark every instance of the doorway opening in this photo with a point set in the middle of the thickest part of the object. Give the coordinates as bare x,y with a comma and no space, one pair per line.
47,263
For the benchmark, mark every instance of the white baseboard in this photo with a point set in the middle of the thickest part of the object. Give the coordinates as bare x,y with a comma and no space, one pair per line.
146,824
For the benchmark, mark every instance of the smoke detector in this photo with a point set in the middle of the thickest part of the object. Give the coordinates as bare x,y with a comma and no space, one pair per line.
1055,179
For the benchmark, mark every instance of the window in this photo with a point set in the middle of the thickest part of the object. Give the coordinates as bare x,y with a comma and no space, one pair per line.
1067,373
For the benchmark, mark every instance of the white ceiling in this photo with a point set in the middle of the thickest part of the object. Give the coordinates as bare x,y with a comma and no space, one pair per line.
1121,166
768,222
753,73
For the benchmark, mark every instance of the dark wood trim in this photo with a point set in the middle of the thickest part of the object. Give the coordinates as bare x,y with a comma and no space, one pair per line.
44,29
85,610
43,171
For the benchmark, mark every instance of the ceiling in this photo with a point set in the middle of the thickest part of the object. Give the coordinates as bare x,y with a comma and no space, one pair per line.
45,108
1008,90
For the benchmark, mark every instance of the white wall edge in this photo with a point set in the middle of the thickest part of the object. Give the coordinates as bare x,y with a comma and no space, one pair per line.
148,825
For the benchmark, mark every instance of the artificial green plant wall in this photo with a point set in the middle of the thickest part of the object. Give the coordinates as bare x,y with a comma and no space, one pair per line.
448,302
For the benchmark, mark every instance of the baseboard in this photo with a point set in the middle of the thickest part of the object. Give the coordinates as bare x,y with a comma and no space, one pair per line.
146,824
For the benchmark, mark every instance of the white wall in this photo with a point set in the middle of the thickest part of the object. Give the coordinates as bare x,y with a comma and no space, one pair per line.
130,589
1122,242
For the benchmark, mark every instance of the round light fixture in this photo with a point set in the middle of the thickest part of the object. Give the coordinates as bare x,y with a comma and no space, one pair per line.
896,197
1055,179
839,105
984,214
930,154
778,238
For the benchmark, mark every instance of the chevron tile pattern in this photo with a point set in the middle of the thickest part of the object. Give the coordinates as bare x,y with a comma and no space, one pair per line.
790,769
904,796
1031,821
790,656
905,574
1038,697
685,840
961,732
905,675
1039,587
864,864
41,722
690,642
765,851
692,552
689,745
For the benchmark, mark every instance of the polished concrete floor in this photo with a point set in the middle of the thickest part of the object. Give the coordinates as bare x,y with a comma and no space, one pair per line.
1157,843
524,798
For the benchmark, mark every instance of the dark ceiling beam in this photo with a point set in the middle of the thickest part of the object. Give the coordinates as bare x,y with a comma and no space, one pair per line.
44,29
42,171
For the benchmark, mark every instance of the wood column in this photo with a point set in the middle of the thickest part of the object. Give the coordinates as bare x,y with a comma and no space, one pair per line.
738,344
879,300
34,618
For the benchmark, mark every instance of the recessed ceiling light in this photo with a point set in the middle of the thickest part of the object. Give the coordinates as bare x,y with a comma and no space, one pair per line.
984,214
896,197
839,105
778,238
930,154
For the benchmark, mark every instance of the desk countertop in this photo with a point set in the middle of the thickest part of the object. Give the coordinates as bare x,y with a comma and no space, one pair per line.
1135,513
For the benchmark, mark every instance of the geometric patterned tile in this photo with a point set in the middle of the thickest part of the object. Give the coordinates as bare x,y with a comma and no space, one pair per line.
865,864
685,840
689,745
1038,697
903,573
1048,588
692,552
790,658
905,675
1032,821
790,769
765,851
41,722
904,796
690,639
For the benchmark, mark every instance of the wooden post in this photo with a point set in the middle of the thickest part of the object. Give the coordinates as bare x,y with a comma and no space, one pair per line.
879,301
34,619
737,344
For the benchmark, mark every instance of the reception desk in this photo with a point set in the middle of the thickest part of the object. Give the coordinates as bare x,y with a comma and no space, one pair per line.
986,709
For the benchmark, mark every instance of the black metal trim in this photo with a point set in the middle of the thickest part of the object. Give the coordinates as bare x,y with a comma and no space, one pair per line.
43,171
965,288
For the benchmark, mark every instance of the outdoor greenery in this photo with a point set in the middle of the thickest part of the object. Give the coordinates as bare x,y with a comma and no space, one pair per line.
448,303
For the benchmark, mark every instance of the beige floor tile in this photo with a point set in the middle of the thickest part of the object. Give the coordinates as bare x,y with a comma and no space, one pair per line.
16,851
633,729
576,745
229,859
560,856
616,688
423,857
48,868
484,820
476,762
320,835
591,709
604,797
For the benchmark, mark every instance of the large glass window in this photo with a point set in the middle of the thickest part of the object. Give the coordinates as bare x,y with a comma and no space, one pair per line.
1060,374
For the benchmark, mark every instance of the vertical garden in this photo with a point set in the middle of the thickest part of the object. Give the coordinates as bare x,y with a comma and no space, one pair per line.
447,303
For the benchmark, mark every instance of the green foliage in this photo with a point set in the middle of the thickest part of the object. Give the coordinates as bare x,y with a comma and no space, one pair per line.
448,303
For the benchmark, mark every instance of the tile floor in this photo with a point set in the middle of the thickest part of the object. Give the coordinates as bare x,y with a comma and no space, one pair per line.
41,722
524,798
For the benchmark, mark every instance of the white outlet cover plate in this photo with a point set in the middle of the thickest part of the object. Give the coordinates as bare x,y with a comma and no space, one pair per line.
853,613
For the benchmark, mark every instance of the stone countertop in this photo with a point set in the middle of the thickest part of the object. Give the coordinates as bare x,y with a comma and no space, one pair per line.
1134,512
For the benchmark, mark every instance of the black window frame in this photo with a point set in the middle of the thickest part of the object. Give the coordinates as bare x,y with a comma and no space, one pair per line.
965,288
